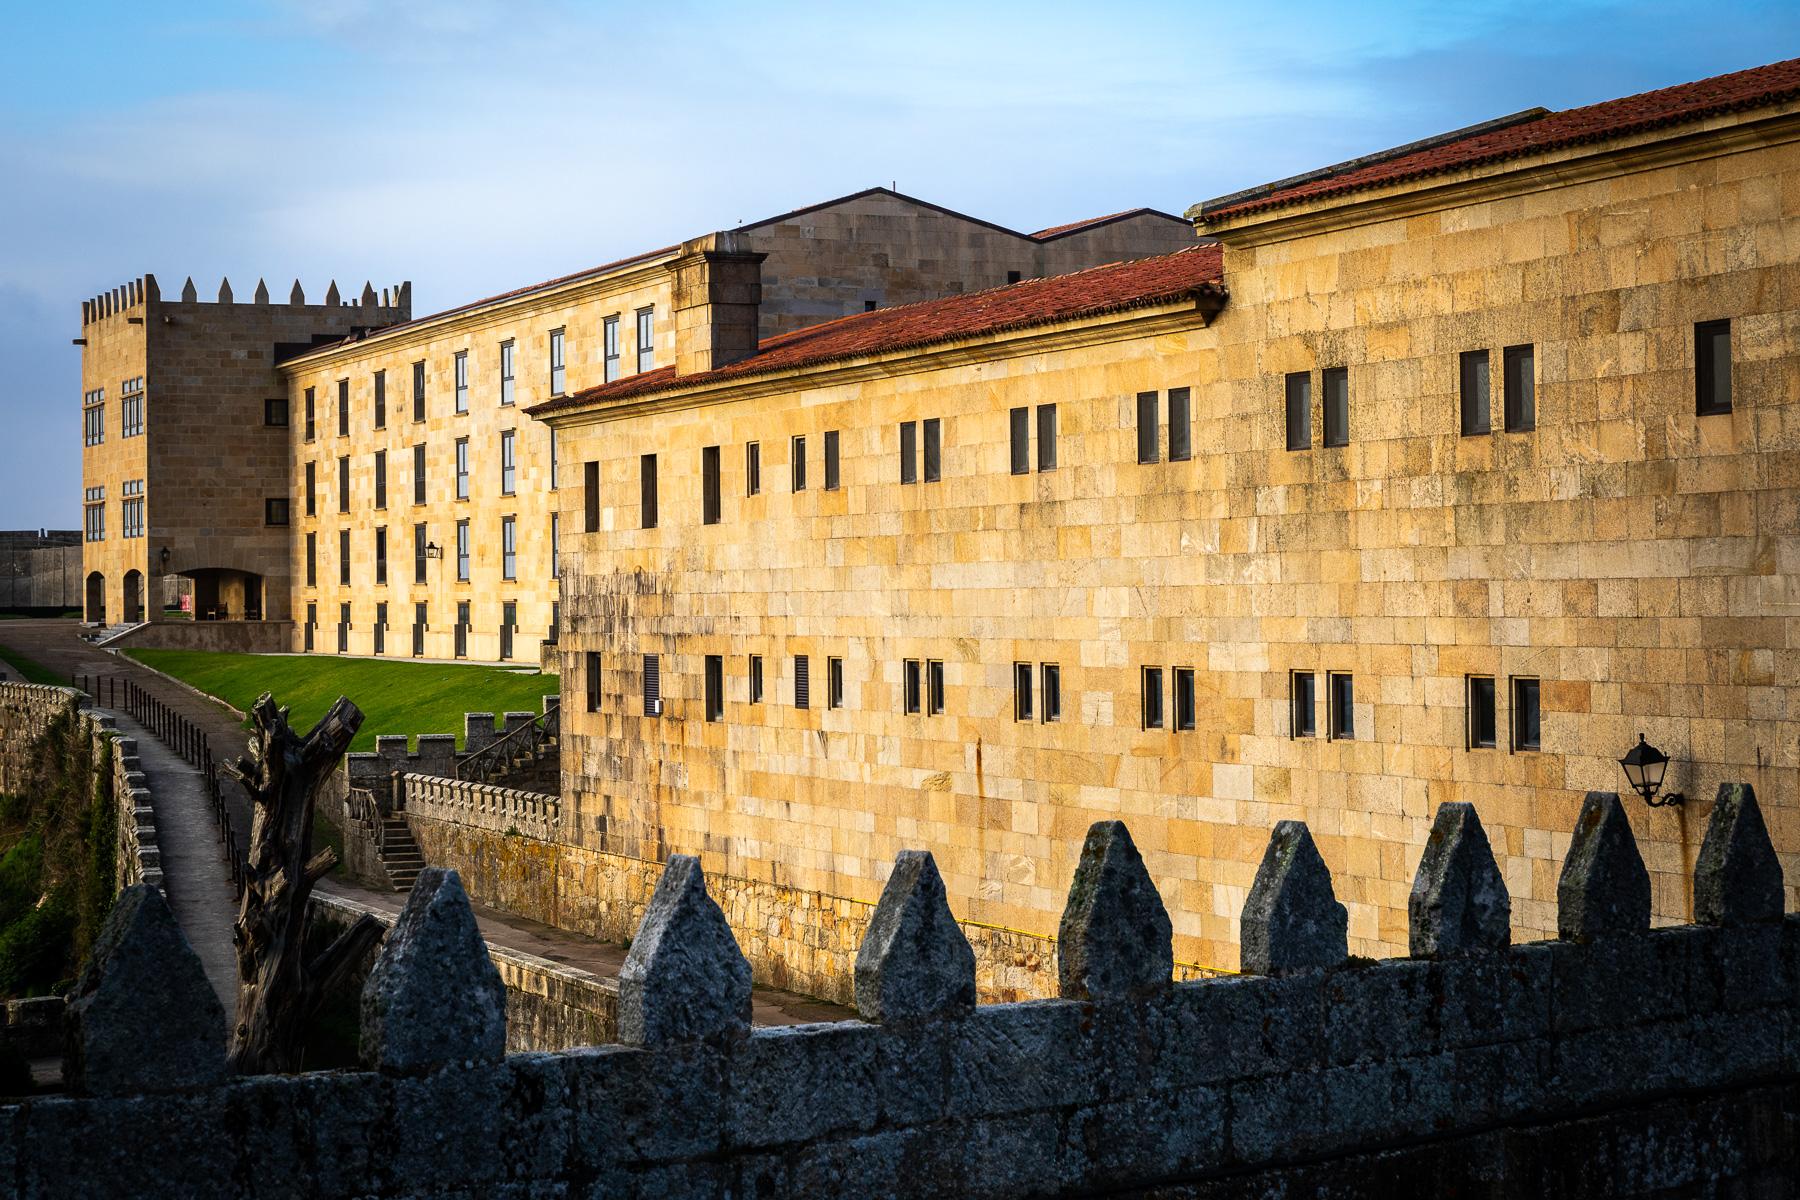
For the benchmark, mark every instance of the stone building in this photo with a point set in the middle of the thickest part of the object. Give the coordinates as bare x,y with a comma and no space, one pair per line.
1442,476
342,478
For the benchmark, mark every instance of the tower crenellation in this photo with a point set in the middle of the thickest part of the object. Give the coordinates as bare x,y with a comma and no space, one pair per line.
391,304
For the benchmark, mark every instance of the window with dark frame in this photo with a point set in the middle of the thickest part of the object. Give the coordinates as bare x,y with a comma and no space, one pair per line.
1184,697
1302,704
1181,425
647,491
462,552
419,473
591,678
275,511
646,339
418,632
1477,407
312,624
343,410
344,557
934,449
1335,382
509,466
1050,689
344,628
380,627
913,689
275,411
381,399
1299,410
418,390
752,468
556,362
1152,685
381,554
1019,420
1021,691
590,497
715,687
381,479
1527,720
934,686
555,551
909,452
1342,702
756,678
509,547
462,468
797,462
344,484
1147,442
802,681
507,384
1484,724
834,682
652,685
831,460
1520,366
420,554
312,489
609,349
461,632
1712,368
462,381
709,485
1046,434
310,406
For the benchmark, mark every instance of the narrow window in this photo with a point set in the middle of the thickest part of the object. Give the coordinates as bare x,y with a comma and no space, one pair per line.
1476,407
344,484
934,687
1153,697
1021,691
934,449
312,623
1483,720
381,554
715,687
381,617
1303,704
831,460
555,551
509,547
509,468
1519,363
1712,368
609,342
591,676
312,488
419,473
646,339
647,491
461,632
1343,706
344,557
1184,697
343,408
418,398
1051,676
462,468
709,485
909,452
507,393
462,381
1525,715
418,639
556,362
752,468
381,399
834,682
797,462
756,679
1046,432
275,510
652,685
275,412
1181,425
802,681
554,459
1021,440
914,686
1146,428
462,551
310,413
381,479
1336,382
420,554
1299,410
590,497
343,628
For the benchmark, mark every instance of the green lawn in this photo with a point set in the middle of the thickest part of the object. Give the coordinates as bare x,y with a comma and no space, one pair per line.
30,671
395,697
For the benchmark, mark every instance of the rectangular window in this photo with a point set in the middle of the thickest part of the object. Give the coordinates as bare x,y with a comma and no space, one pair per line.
797,462
752,468
1303,704
1046,432
462,552
709,486
381,399
343,629
343,411
1184,697
275,510
756,679
609,342
461,632
509,547
506,372
913,691
312,623
462,381
1343,706
831,460
652,685
909,452
556,362
1336,381
1520,365
934,686
1484,724
344,484
312,560
934,449
554,461
381,554
1712,368
380,627
419,473
1181,425
462,468
311,429
555,545
419,390
834,683
93,423
590,497
1526,719
1050,684
275,413
1021,691
591,678
94,522
381,479
508,461
1020,432
647,491
646,339
418,638
715,687
1152,687
1299,410
1477,409
131,409
420,555
344,557
802,681
312,488
1147,450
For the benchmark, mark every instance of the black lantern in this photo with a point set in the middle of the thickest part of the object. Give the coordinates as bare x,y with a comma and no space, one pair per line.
1644,765
433,550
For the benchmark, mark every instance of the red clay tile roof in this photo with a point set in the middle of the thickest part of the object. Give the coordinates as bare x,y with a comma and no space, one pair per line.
1571,127
1056,231
1116,287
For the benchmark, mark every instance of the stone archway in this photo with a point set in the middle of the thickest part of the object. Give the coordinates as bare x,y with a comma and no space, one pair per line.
134,595
95,610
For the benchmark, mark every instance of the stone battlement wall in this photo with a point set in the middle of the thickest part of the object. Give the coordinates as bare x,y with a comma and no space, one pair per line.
436,754
1615,1060
482,806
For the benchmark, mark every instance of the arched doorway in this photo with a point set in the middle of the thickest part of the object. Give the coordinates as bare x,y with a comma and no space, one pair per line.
134,595
96,598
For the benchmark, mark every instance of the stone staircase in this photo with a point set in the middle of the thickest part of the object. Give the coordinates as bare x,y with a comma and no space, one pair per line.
111,633
527,758
400,854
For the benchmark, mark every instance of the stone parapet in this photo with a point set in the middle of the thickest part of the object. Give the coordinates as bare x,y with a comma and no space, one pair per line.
483,806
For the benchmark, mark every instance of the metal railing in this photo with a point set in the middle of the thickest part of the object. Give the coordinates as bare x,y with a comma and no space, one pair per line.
499,756
178,733
366,810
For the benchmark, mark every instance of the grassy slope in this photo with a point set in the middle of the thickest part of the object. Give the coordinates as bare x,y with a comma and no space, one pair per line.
395,697
28,670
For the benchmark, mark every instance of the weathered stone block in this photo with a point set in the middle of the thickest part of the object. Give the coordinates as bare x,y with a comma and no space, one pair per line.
1619,981
1459,901
1495,998
447,1128
1604,889
1384,1101
1271,1118
142,1017
914,963
1224,1029
685,978
1292,920
1012,1058
799,1082
1151,1138
1363,1007
1114,939
1737,880
1496,1083
628,1103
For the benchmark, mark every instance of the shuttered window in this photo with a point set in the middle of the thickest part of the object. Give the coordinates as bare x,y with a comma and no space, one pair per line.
802,682
652,685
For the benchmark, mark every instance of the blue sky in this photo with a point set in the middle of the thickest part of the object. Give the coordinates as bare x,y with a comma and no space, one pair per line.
476,145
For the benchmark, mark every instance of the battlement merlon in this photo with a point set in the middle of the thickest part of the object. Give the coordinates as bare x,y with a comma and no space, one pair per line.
133,299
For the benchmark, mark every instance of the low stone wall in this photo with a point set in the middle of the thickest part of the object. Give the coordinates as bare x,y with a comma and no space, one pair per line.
233,637
482,806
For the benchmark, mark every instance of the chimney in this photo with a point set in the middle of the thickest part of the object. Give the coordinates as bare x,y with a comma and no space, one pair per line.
718,290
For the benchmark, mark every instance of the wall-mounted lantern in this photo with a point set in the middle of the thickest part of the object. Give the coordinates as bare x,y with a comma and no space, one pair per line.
433,550
1644,766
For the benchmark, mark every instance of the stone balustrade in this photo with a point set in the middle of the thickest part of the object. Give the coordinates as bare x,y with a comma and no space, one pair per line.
482,806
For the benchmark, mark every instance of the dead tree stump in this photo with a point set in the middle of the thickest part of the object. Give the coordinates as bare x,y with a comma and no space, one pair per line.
278,990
